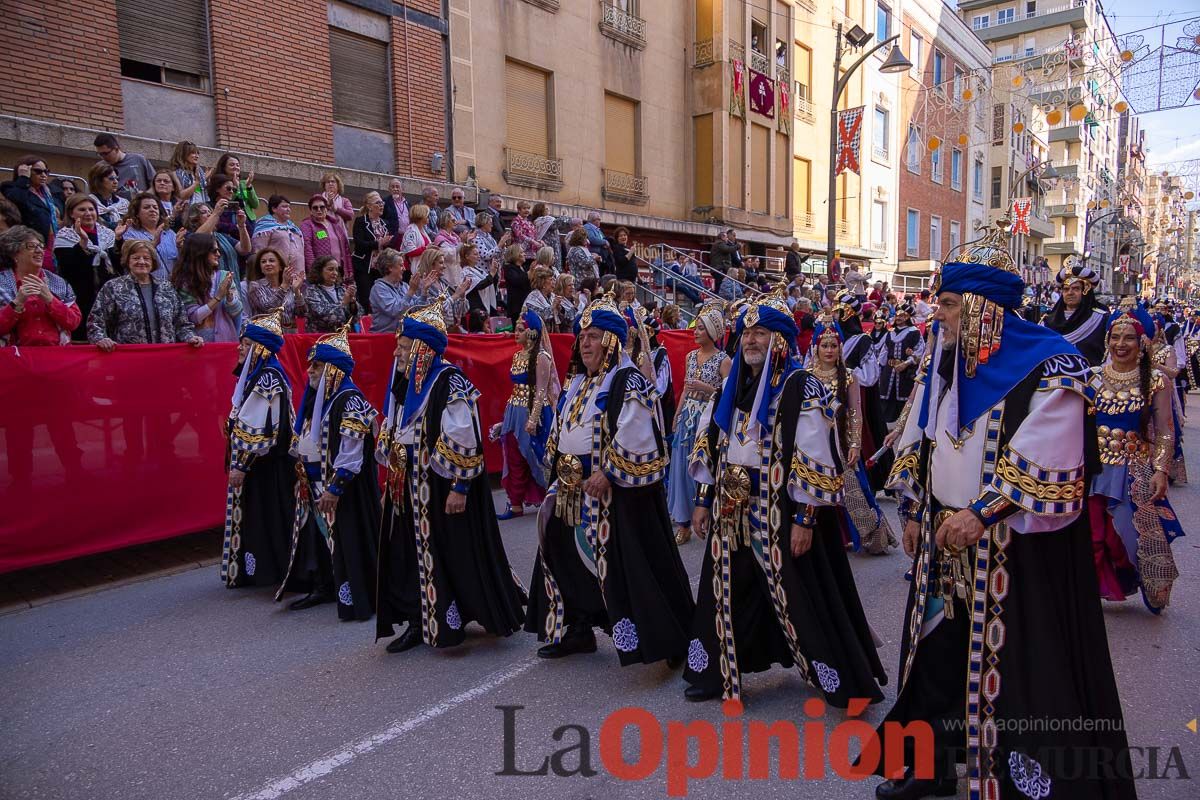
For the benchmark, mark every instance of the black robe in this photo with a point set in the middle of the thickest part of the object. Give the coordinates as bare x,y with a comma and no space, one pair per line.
259,517
667,401
895,385
874,429
773,608
351,538
462,573
1087,328
1036,612
644,600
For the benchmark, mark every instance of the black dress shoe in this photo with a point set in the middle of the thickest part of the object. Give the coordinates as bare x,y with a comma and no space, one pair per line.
912,788
405,641
698,694
309,600
674,662
570,644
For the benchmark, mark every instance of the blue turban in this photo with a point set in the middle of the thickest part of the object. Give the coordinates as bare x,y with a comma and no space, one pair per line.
328,354
259,335
425,333
1005,289
533,321
608,321
766,316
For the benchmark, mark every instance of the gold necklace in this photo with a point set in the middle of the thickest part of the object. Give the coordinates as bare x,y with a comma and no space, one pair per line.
1112,374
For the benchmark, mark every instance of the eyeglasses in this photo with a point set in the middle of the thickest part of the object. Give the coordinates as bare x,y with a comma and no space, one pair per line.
112,176
316,208
40,171
35,246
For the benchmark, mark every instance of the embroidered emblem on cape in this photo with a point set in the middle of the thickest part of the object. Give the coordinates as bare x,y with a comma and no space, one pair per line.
1027,776
453,618
625,635
827,676
344,595
251,564
697,658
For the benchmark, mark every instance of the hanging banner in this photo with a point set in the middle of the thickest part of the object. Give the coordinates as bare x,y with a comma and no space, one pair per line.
737,89
1021,207
762,94
785,108
1123,263
849,140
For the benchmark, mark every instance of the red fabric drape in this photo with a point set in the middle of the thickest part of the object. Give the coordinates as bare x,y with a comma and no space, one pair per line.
102,451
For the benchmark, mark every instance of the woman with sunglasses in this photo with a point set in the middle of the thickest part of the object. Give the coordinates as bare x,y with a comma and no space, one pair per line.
30,192
325,235
104,184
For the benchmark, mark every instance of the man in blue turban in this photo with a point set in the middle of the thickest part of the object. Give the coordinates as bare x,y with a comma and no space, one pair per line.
441,559
337,518
764,472
607,556
1003,623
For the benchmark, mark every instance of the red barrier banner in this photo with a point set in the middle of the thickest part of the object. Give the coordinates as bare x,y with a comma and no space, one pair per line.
102,451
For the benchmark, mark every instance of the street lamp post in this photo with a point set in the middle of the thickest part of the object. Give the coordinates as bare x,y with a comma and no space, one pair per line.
895,62
1047,173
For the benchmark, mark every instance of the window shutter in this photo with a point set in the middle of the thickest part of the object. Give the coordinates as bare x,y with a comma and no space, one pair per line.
801,172
361,83
175,37
525,89
620,134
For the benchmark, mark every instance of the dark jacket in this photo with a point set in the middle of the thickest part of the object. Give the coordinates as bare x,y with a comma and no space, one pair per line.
721,257
626,264
791,265
516,280
34,213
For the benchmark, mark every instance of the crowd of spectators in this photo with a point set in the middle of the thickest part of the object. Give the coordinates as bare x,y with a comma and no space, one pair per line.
187,253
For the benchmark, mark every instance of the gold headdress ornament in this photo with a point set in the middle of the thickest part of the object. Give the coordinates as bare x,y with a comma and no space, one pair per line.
271,321
1074,270
711,316
420,355
982,320
430,314
340,341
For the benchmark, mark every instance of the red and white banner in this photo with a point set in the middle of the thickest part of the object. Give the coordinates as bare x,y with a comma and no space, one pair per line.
1021,207
849,140
1123,263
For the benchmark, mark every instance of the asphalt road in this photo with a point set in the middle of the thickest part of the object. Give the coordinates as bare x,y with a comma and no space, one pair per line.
178,688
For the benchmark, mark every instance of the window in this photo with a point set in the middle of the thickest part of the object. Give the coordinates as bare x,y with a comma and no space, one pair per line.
527,92
879,223
997,188
977,180
883,22
164,48
1030,9
803,71
620,134
781,53
960,83
955,235
935,238
881,133
1005,15
916,47
956,170
1030,46
801,186
361,79
935,165
758,37
939,67
980,22
912,233
914,149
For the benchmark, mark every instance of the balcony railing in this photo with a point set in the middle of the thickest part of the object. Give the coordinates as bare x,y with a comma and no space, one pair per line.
843,227
737,52
804,222
703,53
532,170
759,62
803,110
626,28
548,5
625,188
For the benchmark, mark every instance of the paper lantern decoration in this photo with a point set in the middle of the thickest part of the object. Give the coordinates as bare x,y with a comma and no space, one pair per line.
1189,195
1121,107
1196,94
963,139
1018,80
967,94
934,143
1078,112
1127,55
1104,204
1054,116
1018,127
1091,204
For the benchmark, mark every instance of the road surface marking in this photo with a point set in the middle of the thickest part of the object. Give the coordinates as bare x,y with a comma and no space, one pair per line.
339,758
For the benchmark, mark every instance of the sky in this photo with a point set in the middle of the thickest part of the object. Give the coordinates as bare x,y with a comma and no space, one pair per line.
1170,135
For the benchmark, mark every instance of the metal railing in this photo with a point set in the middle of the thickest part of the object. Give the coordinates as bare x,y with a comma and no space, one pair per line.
703,53
625,187
804,222
803,110
619,24
531,169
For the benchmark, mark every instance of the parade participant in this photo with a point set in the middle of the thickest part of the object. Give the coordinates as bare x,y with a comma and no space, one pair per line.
900,354
606,555
441,560
527,417
262,473
1168,356
1171,333
775,585
862,359
879,326
335,441
1078,315
664,384
1133,523
707,367
1191,337
862,523
1003,622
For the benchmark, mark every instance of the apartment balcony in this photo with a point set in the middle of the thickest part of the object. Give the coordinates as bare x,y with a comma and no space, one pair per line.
703,53
1068,133
760,62
843,228
1040,226
1060,248
548,5
625,188
1072,13
1064,210
618,24
803,110
532,170
1056,96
